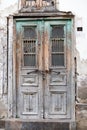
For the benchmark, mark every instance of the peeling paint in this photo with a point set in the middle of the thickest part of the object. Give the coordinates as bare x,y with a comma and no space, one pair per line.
81,63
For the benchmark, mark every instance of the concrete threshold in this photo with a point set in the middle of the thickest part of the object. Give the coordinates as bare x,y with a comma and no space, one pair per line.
43,124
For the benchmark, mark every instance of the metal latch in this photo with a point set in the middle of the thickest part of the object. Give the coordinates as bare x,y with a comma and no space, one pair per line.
33,71
51,70
38,71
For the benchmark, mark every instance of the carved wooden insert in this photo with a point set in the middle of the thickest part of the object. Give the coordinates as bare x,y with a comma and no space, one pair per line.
37,3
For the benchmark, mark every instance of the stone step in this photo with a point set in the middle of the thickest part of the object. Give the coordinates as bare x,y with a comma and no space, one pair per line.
37,125
14,124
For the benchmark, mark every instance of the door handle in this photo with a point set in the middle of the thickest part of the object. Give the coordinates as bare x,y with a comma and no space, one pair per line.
39,71
33,71
57,72
43,72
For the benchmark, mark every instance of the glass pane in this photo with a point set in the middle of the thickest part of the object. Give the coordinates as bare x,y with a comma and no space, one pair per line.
57,59
29,60
30,32
57,31
57,46
29,46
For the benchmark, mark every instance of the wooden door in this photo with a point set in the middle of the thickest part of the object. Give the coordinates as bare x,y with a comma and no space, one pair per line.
29,75
58,70
43,69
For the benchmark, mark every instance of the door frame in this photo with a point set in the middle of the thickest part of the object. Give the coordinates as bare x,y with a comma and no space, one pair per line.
12,108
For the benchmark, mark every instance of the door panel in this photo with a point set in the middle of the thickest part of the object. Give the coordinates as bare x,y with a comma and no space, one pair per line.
58,78
43,70
30,96
57,100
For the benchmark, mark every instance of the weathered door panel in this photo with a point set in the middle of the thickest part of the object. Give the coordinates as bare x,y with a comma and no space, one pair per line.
30,96
44,69
57,87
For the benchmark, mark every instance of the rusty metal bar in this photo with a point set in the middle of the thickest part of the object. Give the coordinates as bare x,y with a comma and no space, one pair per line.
75,62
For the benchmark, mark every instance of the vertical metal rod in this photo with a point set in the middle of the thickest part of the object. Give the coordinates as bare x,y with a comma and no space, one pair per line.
75,78
7,49
75,61
43,70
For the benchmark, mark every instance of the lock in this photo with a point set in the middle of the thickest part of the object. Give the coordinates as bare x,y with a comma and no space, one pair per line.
44,75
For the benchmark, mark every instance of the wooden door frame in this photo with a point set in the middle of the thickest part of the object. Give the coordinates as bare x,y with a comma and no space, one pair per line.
12,102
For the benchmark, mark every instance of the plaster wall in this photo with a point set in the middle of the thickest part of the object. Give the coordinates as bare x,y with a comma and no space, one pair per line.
11,7
6,9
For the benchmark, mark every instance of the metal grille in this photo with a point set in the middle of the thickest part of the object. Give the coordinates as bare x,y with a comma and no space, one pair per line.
57,46
29,46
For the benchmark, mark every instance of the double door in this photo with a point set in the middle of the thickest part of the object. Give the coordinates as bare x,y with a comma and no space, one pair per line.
43,69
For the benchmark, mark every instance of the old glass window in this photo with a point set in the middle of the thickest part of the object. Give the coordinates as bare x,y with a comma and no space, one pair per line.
57,45
29,46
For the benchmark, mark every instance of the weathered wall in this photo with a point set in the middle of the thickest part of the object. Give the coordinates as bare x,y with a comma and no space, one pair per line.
81,53
6,9
81,107
81,103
